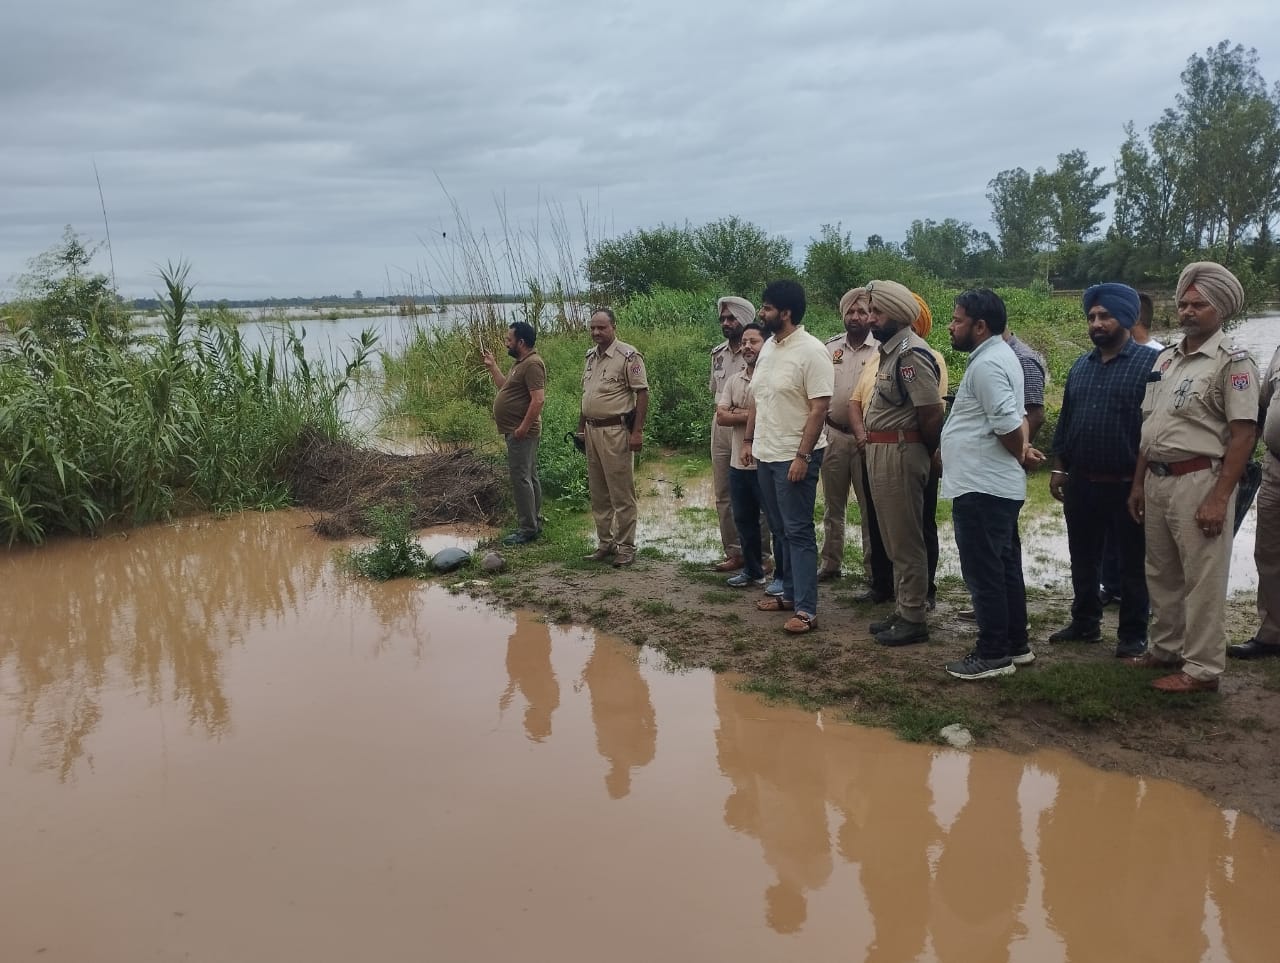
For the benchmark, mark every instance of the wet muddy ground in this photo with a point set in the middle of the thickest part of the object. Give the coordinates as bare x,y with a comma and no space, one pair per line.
219,747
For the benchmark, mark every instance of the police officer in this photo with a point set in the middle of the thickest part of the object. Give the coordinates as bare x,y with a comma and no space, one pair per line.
903,421
726,361
615,399
1199,425
850,352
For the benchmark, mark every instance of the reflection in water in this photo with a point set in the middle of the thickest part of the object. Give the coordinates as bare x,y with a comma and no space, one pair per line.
339,740
626,730
529,670
778,798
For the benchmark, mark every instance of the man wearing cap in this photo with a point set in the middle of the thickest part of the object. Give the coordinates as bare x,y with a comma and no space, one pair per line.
842,464
903,421
1266,546
790,395
615,399
726,361
1095,452
1199,424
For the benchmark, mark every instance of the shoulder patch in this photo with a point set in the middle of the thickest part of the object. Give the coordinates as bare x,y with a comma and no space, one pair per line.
1240,380
908,373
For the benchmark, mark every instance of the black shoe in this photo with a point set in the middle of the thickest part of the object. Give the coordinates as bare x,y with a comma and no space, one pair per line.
520,538
873,596
1253,649
884,625
972,667
903,632
1107,597
1131,650
1074,632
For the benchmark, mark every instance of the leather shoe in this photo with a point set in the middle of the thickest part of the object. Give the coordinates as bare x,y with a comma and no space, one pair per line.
730,563
903,633
625,557
884,625
872,596
1182,684
600,554
1149,660
1253,649
1073,632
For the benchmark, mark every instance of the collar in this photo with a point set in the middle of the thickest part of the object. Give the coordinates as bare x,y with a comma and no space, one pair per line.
868,342
897,341
607,351
1129,348
983,347
1209,348
779,341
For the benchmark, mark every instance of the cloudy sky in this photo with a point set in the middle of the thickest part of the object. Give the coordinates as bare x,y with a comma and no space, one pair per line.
305,147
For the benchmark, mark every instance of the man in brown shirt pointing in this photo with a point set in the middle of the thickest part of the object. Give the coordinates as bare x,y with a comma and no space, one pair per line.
517,411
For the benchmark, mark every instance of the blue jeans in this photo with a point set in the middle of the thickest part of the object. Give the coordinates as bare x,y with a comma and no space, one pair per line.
744,498
789,508
991,562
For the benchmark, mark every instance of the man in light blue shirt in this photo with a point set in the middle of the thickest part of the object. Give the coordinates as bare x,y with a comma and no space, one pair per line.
984,451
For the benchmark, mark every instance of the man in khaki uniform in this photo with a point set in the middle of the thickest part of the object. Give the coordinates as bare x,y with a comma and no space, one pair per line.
903,425
1266,546
726,361
1199,424
615,399
842,465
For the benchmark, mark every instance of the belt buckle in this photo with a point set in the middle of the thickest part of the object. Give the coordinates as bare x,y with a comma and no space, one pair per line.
1159,468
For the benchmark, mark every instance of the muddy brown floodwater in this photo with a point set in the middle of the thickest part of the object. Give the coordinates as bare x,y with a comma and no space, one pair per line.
218,747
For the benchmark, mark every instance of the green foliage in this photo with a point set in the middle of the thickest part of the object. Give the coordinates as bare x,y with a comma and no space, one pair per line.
95,432
737,257
396,553
951,250
61,300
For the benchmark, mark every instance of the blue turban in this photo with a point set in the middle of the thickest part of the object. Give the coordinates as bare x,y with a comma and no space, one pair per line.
1120,300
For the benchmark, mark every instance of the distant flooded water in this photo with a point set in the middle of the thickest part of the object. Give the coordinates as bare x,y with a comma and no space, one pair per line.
218,747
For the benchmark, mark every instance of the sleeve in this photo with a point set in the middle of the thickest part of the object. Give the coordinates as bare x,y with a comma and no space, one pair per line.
711,378
637,380
1000,396
1062,430
1032,381
536,378
1266,390
1240,389
919,379
722,399
819,374
866,383
944,376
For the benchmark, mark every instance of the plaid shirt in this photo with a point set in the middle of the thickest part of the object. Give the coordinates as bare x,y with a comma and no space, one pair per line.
1101,419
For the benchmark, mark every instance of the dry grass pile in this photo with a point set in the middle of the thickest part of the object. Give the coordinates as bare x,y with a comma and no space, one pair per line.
344,482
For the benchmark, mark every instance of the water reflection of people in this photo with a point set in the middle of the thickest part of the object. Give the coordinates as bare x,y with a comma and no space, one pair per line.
779,783
982,877
626,732
882,790
529,670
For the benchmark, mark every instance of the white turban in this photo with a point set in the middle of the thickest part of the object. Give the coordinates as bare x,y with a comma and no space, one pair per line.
895,300
742,309
852,296
1219,287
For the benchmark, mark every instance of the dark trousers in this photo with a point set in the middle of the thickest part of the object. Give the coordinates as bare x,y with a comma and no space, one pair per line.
746,503
991,562
1111,569
526,486
789,508
1097,514
881,566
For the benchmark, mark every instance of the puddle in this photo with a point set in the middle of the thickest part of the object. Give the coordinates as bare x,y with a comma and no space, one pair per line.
217,747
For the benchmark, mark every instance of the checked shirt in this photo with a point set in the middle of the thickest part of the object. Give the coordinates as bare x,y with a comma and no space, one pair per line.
1101,419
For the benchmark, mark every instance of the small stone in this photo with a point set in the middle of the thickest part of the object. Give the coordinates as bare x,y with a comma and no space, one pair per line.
449,559
493,562
957,736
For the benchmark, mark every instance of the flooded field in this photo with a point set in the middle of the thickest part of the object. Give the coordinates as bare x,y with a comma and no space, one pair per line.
221,748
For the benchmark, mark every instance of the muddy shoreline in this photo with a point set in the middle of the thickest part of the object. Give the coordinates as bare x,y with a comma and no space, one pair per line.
1227,746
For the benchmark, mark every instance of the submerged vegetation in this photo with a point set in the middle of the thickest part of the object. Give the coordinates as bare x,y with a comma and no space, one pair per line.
98,429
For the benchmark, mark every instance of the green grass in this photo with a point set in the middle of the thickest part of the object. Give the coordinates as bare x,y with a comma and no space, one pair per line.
721,597
1093,693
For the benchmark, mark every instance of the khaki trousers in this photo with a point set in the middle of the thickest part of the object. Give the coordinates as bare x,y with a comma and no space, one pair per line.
1266,552
1186,573
721,452
898,475
612,481
842,471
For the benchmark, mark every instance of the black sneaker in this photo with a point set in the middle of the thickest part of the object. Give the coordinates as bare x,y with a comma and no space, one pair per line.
903,632
972,667
884,625
1074,632
520,538
1130,650
1023,656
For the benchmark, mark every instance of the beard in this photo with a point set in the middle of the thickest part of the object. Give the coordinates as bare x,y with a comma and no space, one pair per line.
513,352
883,334
1104,340
773,325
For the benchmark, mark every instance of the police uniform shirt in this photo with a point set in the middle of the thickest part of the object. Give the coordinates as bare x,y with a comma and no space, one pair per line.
904,382
1192,397
736,396
725,363
847,363
1270,387
610,381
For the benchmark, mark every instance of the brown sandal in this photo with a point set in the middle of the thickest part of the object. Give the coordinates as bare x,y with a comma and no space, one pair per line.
775,603
800,623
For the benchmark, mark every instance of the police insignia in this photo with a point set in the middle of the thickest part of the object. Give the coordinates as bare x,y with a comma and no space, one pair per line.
636,369
1240,381
838,357
908,372
1165,367
719,361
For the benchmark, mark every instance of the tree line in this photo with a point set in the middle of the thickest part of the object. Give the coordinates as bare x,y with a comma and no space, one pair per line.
1202,180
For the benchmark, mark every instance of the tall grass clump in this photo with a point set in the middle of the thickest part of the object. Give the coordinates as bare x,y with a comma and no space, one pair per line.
95,431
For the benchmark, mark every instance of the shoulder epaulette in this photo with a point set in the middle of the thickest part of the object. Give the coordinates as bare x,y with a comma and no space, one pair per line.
1239,354
720,347
833,340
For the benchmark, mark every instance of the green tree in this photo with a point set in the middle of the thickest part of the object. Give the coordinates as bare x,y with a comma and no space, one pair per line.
739,256
830,266
1020,210
641,260
62,300
1148,205
1072,195
951,250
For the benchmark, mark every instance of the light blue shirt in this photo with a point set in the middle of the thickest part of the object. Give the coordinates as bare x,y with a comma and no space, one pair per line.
989,402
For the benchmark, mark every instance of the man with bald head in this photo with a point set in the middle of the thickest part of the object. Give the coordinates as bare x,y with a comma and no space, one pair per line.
851,350
1095,452
903,420
727,361
1199,426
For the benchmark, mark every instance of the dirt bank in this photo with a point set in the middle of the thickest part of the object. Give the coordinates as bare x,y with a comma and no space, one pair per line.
1076,697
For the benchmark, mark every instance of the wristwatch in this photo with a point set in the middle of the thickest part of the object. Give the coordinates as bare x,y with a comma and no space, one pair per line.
806,456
